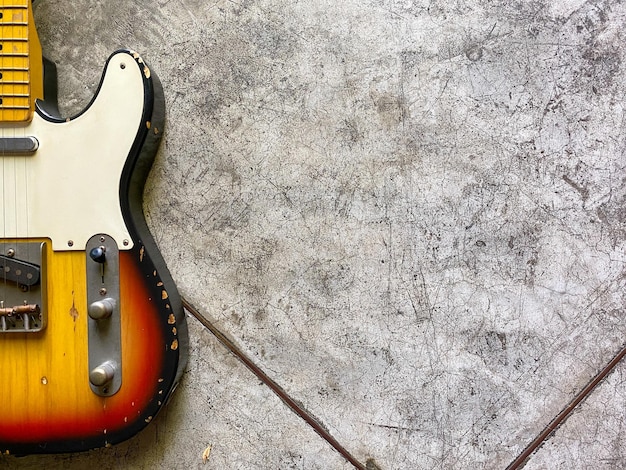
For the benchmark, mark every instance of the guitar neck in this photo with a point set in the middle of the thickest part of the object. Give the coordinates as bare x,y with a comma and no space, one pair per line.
21,69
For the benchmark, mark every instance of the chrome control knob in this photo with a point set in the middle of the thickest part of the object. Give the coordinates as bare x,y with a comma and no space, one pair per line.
101,309
103,374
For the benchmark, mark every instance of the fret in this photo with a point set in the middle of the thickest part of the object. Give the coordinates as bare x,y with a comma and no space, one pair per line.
17,44
14,7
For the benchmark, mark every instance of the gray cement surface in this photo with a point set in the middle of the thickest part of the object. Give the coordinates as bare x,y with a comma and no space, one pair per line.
410,214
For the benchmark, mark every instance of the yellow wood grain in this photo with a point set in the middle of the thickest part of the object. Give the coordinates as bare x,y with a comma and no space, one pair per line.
47,372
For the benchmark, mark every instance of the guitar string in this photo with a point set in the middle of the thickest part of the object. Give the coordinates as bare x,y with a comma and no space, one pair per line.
15,170
4,196
5,192
24,129
31,98
10,170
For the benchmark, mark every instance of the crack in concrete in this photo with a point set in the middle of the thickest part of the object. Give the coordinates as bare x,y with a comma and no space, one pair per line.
523,458
278,390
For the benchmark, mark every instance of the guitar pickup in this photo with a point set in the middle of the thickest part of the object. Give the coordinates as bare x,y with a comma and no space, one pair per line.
18,271
18,145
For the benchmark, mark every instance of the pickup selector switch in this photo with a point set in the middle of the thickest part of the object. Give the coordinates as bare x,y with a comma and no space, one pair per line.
98,254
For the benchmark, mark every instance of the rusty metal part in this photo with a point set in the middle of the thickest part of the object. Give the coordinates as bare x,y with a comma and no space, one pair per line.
31,309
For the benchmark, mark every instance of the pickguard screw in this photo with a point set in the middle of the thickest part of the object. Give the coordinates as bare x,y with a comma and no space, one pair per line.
70,243
10,252
125,242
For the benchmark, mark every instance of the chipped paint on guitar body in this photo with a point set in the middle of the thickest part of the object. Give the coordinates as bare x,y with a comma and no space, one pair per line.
87,178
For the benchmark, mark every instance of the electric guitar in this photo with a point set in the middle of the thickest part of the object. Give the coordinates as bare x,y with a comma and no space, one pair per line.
92,331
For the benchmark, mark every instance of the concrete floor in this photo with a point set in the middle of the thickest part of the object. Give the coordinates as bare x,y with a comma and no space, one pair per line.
410,214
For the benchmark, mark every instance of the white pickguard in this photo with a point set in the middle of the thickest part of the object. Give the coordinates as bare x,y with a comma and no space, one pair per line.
68,190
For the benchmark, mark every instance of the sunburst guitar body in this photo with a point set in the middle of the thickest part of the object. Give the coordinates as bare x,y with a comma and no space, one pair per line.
92,331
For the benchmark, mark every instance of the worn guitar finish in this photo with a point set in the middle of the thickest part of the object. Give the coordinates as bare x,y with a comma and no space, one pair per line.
92,332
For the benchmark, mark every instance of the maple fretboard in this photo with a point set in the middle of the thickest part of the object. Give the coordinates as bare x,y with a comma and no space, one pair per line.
20,61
